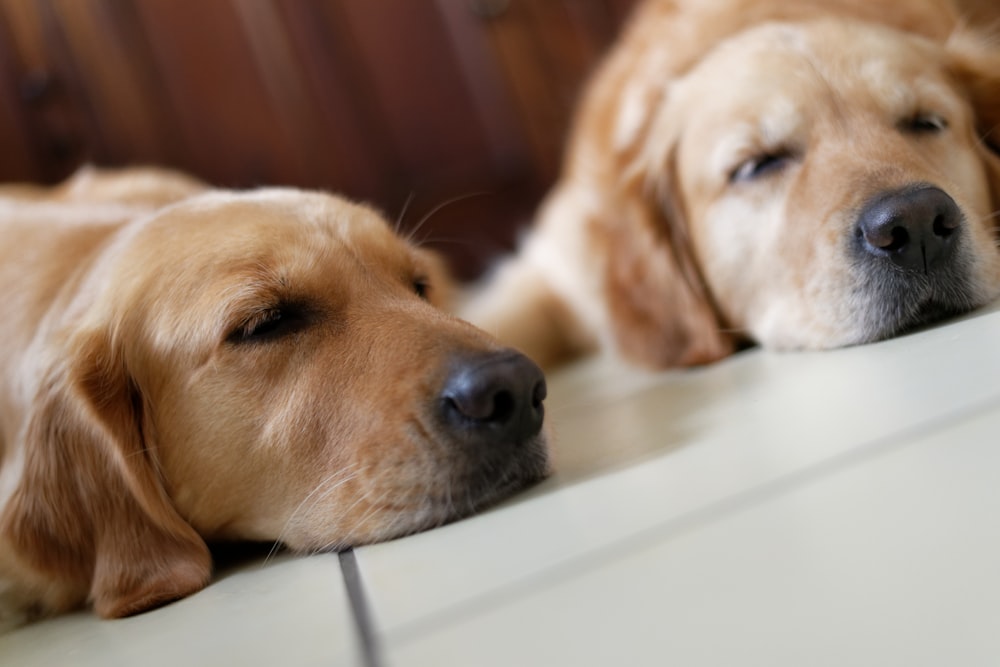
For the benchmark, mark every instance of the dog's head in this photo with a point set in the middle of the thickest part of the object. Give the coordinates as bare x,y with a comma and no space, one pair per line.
262,366
804,185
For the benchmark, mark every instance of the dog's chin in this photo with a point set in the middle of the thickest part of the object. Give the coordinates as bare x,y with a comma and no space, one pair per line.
490,482
471,489
928,314
897,304
488,487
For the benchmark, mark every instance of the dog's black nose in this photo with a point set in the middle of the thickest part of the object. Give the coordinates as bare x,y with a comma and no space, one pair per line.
915,227
494,398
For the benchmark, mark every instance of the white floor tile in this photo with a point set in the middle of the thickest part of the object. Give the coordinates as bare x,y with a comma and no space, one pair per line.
637,451
881,559
292,611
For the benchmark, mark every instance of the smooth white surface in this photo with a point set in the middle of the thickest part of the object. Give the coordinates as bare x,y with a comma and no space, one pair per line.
880,560
291,611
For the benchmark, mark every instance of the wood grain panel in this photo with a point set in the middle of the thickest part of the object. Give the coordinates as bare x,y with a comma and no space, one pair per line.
20,160
448,114
227,120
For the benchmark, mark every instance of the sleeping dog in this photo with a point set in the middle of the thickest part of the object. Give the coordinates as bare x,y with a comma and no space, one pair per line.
805,174
182,365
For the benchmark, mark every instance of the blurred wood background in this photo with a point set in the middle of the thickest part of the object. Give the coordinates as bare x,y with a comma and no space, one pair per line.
407,104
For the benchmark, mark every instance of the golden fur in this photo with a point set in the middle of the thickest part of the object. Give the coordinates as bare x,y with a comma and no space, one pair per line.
232,366
719,165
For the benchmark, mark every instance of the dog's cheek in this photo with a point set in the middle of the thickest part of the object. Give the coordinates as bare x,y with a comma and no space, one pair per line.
975,65
991,163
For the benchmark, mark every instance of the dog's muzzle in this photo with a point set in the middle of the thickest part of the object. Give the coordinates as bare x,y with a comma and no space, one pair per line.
909,260
915,228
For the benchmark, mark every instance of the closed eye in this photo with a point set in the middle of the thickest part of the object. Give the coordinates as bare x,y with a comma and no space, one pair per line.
924,123
269,324
422,287
759,166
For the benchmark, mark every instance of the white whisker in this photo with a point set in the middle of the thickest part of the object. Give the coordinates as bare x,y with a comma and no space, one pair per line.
402,214
328,485
410,236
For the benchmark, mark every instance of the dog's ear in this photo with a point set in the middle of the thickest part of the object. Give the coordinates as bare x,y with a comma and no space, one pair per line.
975,63
90,511
662,311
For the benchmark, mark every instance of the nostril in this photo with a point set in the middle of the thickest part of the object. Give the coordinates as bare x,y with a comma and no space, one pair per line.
887,233
503,407
944,225
474,400
897,239
538,394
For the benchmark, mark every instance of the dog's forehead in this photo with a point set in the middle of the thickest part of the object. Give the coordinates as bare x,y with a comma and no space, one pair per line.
296,213
773,84
221,237
830,58
232,228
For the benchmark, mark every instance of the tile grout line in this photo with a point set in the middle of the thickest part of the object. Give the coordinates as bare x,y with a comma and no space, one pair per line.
582,563
370,654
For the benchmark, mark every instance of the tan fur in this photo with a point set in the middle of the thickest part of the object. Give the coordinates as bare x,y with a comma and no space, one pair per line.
653,254
133,429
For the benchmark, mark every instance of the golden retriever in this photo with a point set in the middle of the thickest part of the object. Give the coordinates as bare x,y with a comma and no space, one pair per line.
800,174
266,366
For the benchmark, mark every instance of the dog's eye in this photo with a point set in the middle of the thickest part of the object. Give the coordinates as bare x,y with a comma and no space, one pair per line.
925,123
759,166
421,287
268,324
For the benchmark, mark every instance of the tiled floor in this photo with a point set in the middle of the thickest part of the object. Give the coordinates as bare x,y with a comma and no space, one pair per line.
837,508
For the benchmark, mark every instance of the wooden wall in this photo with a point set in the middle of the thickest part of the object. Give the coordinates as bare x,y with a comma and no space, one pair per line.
389,101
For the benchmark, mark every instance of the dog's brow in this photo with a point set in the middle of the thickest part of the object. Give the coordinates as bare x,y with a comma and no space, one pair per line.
732,147
880,76
251,291
781,124
783,121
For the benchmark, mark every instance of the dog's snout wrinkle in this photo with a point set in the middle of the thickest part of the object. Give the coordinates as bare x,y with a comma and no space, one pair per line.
494,399
915,228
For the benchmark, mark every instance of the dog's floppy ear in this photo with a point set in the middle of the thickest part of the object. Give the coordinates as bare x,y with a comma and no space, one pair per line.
90,511
975,63
661,310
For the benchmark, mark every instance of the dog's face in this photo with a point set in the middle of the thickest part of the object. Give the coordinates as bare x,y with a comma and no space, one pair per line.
262,366
832,183
308,366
